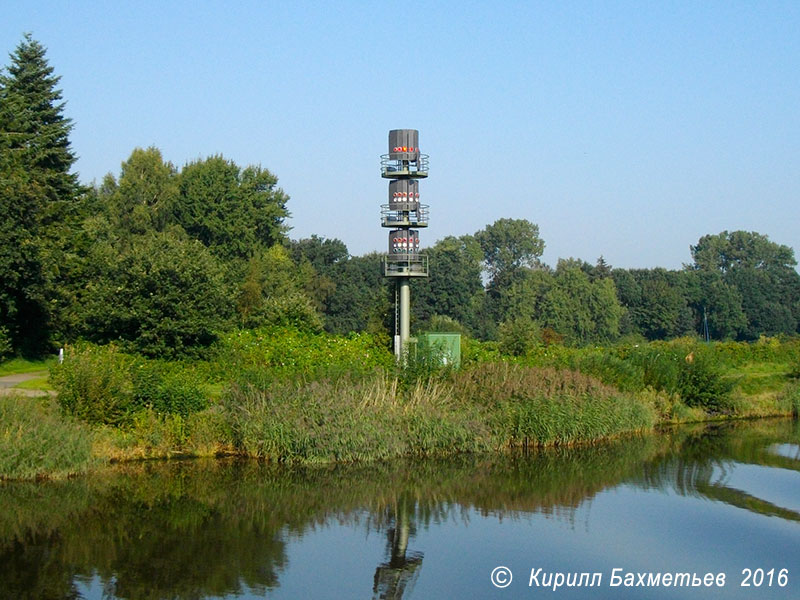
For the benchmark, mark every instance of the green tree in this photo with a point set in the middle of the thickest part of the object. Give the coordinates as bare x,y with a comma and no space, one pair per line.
163,295
322,253
581,310
234,212
510,247
716,301
146,194
35,129
510,244
656,301
317,257
37,192
363,298
761,272
524,295
454,287
274,292
728,251
23,311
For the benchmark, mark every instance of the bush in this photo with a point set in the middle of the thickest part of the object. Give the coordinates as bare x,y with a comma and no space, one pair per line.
660,365
36,442
100,384
474,352
612,370
167,389
94,384
700,384
292,310
288,350
518,335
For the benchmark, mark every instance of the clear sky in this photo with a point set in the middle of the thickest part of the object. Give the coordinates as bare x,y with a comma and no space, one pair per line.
627,129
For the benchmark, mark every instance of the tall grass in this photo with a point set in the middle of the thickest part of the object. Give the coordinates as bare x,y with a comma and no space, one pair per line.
375,417
36,441
790,398
546,406
346,419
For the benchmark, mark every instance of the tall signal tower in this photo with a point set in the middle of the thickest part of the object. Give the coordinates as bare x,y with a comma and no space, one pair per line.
404,165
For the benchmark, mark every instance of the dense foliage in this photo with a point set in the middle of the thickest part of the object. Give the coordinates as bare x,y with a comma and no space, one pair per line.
101,385
165,261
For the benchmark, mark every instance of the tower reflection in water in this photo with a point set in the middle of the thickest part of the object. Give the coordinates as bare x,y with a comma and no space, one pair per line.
400,571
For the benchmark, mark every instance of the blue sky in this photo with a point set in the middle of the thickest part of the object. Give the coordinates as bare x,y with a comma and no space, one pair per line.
627,129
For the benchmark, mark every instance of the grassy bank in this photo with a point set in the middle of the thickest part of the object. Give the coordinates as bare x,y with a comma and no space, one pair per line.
285,396
37,441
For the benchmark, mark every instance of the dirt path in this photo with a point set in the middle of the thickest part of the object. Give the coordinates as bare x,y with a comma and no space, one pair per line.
7,383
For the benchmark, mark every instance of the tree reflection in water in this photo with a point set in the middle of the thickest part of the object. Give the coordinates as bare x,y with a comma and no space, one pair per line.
194,529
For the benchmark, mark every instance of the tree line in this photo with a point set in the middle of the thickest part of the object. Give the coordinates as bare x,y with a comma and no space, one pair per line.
162,259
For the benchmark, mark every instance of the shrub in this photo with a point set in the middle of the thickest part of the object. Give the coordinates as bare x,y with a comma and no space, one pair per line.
612,370
167,389
660,365
100,384
293,310
36,442
94,384
518,335
162,295
700,384
474,352
289,350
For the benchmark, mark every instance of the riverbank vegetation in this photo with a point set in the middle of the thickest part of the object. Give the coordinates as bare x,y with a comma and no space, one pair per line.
194,325
327,398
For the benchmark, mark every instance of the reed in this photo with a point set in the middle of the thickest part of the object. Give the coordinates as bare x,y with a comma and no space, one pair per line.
546,406
376,417
37,442
347,420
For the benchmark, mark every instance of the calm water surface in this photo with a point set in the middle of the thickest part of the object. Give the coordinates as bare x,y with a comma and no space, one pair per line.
717,499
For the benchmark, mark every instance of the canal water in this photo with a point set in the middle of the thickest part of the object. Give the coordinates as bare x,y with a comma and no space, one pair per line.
694,512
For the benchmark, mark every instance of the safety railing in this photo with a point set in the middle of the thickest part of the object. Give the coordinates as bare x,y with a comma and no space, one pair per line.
393,168
405,265
409,214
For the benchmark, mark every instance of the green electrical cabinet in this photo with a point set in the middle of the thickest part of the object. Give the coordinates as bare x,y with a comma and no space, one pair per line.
444,345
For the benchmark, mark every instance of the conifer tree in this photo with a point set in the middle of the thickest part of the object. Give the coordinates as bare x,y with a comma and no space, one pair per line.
34,126
37,190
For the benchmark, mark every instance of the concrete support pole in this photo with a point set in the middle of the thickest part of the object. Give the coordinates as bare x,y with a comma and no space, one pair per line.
405,312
